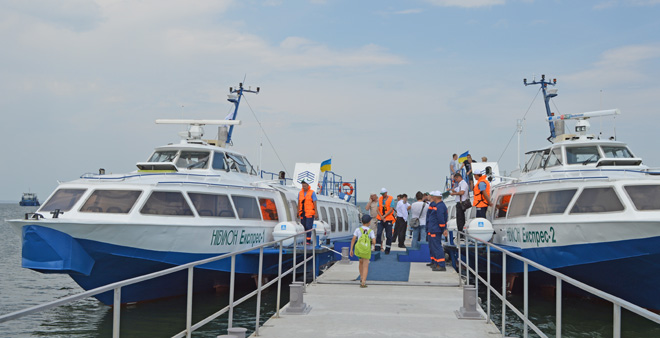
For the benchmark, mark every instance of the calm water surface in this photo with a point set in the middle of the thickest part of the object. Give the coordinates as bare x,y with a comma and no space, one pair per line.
22,288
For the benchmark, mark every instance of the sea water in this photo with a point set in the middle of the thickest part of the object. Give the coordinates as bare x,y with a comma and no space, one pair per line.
23,288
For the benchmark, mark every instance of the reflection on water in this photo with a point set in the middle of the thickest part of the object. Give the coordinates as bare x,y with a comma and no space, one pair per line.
23,288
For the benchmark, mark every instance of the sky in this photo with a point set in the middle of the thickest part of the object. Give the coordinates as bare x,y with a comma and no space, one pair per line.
388,89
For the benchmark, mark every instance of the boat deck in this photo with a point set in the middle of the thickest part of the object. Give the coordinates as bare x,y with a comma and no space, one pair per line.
421,305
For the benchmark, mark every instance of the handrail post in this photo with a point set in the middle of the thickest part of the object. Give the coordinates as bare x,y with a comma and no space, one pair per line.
617,321
559,306
489,284
526,297
307,233
314,245
467,259
279,282
116,310
476,266
503,294
460,262
261,265
189,302
231,292
295,239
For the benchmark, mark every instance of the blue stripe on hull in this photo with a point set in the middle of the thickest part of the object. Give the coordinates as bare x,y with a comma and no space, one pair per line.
113,263
628,269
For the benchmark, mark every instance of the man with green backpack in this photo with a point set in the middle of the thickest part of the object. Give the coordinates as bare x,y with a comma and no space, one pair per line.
365,238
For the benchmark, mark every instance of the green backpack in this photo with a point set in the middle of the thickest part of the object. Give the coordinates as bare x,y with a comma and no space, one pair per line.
363,245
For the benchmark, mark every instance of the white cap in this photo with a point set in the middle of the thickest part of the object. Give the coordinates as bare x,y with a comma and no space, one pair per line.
435,193
482,172
382,191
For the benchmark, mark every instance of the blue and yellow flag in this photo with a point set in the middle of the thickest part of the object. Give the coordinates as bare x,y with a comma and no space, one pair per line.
326,165
463,157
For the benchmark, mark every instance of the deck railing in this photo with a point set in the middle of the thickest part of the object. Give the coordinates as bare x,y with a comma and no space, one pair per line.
190,327
617,303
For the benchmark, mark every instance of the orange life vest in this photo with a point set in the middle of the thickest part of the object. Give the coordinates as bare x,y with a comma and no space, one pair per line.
305,201
384,209
479,200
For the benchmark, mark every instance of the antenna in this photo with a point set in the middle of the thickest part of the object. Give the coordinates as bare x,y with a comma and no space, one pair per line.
547,95
234,97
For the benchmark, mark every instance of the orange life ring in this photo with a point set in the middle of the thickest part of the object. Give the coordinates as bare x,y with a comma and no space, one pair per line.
341,189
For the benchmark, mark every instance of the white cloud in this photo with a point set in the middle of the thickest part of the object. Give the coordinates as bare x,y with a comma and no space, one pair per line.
466,3
620,65
409,11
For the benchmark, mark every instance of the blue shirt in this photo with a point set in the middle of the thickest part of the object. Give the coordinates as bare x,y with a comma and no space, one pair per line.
436,217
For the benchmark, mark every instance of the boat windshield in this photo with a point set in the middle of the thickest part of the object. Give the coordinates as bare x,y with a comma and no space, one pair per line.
616,152
193,160
582,155
63,200
236,163
163,156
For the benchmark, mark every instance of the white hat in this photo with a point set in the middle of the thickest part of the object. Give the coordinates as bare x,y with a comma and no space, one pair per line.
435,193
382,191
482,172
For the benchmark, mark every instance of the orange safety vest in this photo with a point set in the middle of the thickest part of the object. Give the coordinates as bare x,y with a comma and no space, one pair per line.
385,209
305,200
479,200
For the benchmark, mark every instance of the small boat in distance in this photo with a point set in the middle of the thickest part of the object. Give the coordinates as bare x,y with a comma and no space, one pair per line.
29,199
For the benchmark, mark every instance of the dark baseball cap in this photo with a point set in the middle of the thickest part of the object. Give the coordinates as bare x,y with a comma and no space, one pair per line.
366,219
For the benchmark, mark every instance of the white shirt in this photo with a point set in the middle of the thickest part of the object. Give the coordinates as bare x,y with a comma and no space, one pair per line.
402,209
358,232
462,186
419,208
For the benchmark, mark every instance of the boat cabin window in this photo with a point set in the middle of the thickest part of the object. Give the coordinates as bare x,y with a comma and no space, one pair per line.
343,212
268,209
235,163
519,204
552,202
324,215
193,160
502,205
333,225
249,166
111,201
582,155
555,158
166,203
219,161
63,199
163,156
211,205
645,197
340,221
534,161
294,209
246,207
597,200
616,152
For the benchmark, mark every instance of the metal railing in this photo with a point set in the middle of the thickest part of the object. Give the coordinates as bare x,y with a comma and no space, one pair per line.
617,303
190,327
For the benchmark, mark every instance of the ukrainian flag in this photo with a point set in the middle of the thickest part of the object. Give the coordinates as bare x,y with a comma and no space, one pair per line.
463,157
326,165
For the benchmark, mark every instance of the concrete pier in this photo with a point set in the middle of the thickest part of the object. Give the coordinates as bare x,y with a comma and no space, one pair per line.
424,305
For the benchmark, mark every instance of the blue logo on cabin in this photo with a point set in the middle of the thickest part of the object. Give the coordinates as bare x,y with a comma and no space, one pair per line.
308,176
481,224
283,227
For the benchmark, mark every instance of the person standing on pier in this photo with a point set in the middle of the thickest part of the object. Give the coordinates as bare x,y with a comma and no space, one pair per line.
481,194
307,209
436,224
372,208
462,191
385,219
418,212
364,261
401,226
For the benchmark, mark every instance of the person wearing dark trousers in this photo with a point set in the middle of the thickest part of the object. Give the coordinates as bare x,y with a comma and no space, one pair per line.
436,222
307,209
385,218
461,190
401,225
